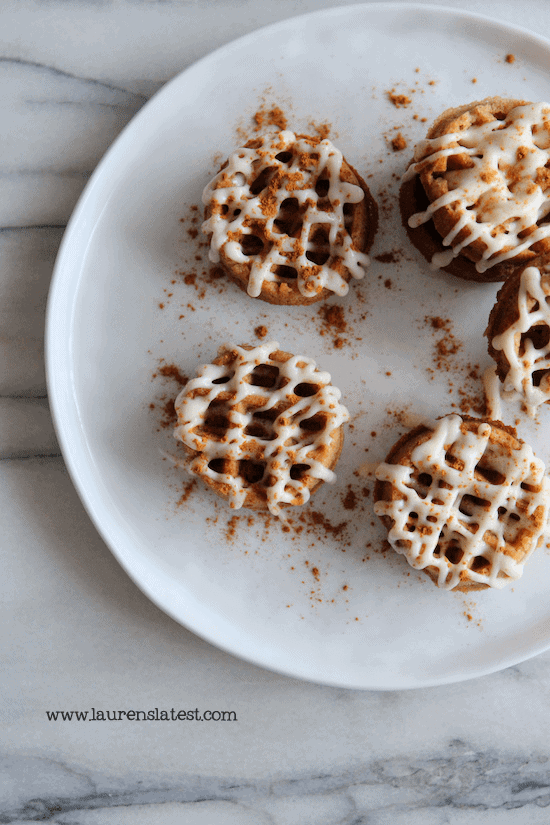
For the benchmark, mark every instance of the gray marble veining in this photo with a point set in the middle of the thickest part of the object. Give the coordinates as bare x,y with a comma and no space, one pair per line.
405,788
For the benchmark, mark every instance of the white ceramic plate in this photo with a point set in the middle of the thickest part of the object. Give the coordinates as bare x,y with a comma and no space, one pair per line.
362,619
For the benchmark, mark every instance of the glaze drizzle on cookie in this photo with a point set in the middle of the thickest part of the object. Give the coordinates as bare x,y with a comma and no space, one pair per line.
526,342
260,420
466,504
502,195
282,208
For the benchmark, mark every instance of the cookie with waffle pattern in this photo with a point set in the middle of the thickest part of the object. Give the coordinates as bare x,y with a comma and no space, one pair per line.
263,428
289,219
465,501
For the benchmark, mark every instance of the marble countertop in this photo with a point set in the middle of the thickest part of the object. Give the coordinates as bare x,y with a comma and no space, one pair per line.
77,633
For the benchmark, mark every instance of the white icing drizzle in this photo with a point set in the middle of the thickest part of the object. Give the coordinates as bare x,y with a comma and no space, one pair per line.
475,528
289,444
501,195
230,192
493,398
533,311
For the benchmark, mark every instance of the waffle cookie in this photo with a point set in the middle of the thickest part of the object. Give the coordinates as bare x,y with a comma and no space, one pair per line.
289,219
262,427
465,500
519,335
475,200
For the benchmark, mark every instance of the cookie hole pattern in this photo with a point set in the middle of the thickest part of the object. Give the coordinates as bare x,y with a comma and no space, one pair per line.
454,462
349,215
284,157
299,471
305,390
259,431
252,471
480,564
402,544
317,258
490,474
217,465
287,272
262,181
454,554
541,378
530,488
289,218
216,421
251,245
321,187
538,335
469,504
267,415
315,424
261,426
264,375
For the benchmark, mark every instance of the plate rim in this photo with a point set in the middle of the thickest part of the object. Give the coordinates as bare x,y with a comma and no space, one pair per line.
60,399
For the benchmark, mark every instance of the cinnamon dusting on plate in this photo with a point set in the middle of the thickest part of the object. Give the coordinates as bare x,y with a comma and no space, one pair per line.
398,100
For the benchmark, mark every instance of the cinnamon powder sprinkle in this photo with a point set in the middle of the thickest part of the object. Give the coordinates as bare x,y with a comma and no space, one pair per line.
270,117
261,331
319,520
168,415
333,317
398,143
231,528
350,500
447,345
187,490
388,257
510,58
398,100
171,371
322,129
